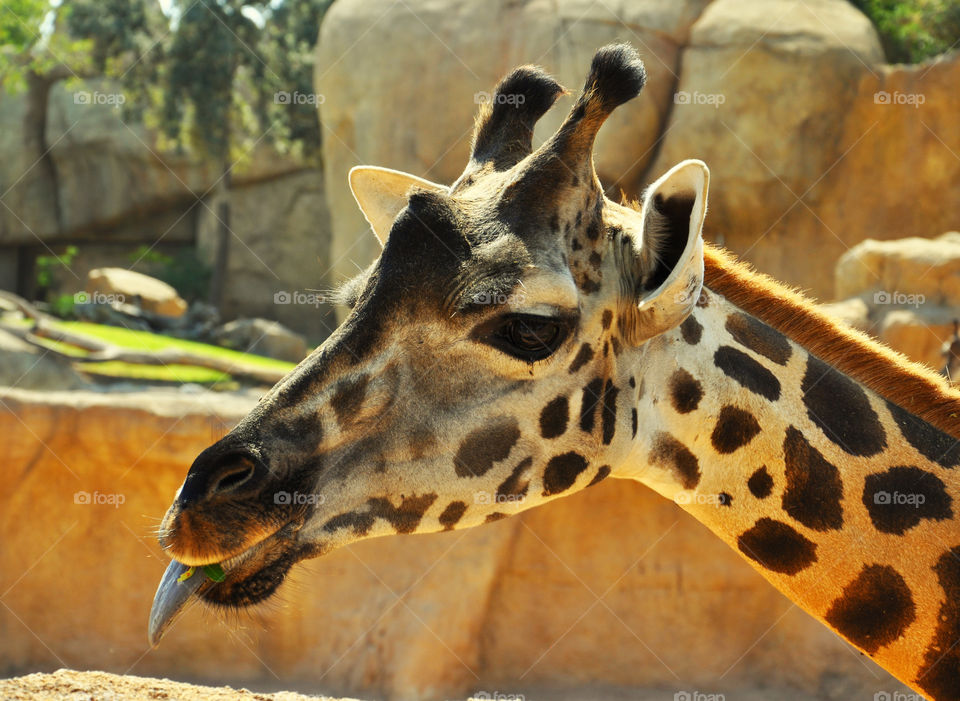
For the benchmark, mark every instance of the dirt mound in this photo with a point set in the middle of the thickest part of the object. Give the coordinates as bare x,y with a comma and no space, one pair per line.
70,685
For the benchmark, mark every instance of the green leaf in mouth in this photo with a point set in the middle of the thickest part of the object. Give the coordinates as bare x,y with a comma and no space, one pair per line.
214,572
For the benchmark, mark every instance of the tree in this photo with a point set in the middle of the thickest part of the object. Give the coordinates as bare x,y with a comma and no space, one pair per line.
212,76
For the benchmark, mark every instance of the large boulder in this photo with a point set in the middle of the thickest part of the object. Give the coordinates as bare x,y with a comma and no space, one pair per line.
906,292
602,595
813,142
130,287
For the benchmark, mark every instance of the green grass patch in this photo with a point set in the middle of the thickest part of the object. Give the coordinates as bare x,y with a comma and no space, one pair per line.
147,341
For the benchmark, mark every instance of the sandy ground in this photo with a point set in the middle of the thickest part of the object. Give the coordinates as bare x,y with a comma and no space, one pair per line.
69,685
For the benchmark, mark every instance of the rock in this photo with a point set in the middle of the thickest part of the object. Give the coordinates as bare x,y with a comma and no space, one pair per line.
263,337
511,606
465,48
67,684
28,367
767,87
785,101
906,292
109,169
280,244
853,312
918,333
129,287
904,271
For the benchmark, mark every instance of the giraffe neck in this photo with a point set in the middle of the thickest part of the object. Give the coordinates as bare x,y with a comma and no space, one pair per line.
840,498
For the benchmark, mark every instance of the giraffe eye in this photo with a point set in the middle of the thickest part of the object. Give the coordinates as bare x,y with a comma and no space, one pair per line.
528,337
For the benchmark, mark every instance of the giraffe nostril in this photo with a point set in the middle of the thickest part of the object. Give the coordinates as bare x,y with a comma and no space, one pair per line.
232,478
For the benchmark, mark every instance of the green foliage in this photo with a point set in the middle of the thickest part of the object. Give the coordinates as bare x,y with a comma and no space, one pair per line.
184,270
50,268
914,30
49,274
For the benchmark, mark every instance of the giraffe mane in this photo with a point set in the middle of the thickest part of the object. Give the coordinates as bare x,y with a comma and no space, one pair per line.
893,376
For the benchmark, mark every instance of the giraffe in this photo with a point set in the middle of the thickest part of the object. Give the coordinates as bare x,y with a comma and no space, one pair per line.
523,337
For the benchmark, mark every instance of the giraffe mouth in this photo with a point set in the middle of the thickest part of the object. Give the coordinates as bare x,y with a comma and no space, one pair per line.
249,577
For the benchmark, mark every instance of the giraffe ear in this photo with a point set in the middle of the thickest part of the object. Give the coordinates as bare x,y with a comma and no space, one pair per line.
667,272
382,193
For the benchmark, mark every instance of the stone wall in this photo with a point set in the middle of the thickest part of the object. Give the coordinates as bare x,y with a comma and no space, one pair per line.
813,142
611,589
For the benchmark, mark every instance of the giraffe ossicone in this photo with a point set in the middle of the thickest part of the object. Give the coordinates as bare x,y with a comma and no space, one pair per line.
522,337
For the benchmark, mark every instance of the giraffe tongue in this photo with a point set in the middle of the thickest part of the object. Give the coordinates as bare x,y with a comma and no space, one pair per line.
171,597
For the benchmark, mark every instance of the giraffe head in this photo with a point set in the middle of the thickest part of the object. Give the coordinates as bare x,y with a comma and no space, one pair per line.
488,362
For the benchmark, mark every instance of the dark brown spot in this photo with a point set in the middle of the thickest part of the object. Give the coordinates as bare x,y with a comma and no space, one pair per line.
584,356
593,230
607,318
452,514
554,417
840,407
348,397
758,337
939,675
589,403
777,547
633,422
735,428
930,442
589,285
486,445
748,372
406,517
562,471
899,498
760,483
670,453
685,391
725,499
874,609
814,491
514,486
601,475
495,516
617,346
609,417
691,330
